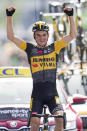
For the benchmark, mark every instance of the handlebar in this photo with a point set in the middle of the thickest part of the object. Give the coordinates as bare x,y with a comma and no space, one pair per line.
42,115
46,115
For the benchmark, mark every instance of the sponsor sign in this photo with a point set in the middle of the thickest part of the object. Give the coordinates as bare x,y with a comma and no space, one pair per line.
13,113
15,72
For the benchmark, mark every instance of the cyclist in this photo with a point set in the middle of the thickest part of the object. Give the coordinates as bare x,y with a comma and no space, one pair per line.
43,64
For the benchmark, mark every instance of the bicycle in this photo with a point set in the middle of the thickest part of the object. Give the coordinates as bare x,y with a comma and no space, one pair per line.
45,116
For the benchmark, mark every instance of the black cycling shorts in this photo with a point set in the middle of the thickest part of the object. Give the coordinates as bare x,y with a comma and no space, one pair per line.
52,102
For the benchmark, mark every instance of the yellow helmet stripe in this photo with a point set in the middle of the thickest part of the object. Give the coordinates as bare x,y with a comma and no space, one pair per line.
40,25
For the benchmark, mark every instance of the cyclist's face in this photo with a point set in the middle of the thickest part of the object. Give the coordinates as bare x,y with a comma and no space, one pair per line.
41,38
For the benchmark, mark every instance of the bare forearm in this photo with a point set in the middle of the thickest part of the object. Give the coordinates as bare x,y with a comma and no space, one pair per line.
73,30
10,34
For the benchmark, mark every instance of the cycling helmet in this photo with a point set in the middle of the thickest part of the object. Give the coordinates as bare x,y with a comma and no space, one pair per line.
40,26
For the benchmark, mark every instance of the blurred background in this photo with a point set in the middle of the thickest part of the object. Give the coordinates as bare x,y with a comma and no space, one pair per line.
27,12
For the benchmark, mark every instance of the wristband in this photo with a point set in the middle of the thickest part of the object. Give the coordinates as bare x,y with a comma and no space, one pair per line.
69,13
10,13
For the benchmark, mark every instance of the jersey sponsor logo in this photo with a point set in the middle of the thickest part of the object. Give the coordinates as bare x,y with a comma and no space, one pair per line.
43,59
45,51
40,51
47,64
43,62
34,51
35,65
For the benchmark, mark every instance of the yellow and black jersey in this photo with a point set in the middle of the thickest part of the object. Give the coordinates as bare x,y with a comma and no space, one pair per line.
43,61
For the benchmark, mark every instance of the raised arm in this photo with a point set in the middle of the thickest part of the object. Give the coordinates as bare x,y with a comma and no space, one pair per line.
10,33
73,30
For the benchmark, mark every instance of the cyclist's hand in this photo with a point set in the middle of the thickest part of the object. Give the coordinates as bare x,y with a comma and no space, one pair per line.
68,11
10,11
